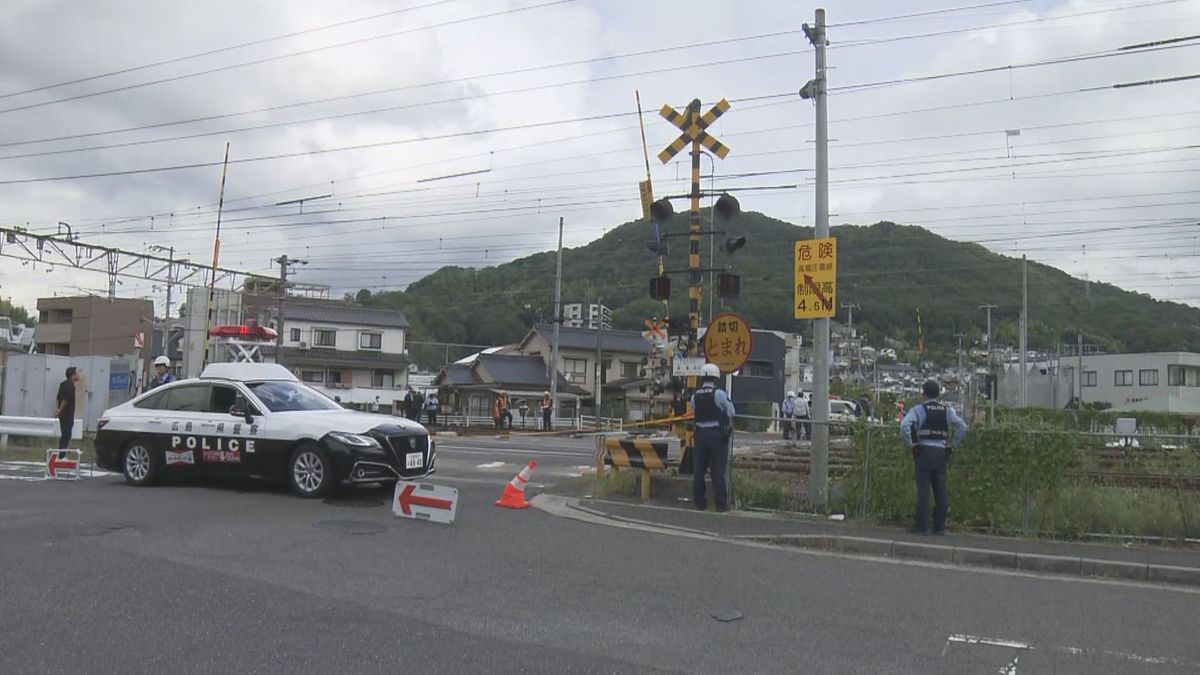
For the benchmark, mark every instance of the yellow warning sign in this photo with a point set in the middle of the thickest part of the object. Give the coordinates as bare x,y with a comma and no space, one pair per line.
816,278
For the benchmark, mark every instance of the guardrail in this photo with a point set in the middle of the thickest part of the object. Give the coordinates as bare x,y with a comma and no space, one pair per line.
34,427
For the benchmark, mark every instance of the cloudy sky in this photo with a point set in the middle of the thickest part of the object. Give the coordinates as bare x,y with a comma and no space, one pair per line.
386,104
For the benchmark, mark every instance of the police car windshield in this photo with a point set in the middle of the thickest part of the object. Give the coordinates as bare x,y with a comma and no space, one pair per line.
291,397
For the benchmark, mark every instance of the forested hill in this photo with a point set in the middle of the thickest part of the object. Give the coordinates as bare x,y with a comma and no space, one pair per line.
890,271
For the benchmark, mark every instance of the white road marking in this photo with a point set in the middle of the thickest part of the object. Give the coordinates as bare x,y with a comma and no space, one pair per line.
488,451
492,465
1073,651
27,470
1011,668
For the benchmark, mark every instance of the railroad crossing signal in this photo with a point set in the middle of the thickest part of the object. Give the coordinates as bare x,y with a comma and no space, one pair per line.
693,129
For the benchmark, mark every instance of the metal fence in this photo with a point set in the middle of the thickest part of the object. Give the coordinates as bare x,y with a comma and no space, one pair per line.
1006,478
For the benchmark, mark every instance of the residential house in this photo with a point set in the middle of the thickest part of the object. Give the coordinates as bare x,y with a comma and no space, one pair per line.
580,315
354,354
470,389
625,390
765,377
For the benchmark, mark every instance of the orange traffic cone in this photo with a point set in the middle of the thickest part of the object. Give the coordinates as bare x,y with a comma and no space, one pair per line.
514,492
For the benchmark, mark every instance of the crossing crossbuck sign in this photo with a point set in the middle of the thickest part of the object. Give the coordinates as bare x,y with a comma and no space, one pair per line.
693,126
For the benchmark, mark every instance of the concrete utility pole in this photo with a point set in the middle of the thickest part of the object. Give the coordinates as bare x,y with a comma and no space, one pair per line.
819,466
557,321
1023,400
962,394
599,355
850,307
1079,371
991,362
285,266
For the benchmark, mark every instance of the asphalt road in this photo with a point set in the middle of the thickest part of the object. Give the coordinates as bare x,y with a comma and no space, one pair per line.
96,576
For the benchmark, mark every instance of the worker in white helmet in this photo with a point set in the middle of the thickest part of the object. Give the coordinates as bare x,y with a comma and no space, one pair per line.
713,415
162,370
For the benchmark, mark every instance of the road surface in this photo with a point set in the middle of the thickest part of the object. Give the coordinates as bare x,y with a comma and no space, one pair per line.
98,576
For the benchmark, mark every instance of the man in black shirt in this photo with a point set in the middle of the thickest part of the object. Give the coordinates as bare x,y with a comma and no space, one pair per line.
66,407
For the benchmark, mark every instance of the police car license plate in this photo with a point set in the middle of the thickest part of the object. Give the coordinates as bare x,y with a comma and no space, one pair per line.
414,460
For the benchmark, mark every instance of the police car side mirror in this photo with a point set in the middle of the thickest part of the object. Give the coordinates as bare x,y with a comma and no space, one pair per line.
239,409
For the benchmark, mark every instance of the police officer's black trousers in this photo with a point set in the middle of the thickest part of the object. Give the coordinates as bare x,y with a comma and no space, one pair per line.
711,451
931,477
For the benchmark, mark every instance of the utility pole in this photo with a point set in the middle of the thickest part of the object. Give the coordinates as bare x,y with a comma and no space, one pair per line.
1023,400
599,355
819,466
991,362
850,307
285,266
962,396
557,322
1079,370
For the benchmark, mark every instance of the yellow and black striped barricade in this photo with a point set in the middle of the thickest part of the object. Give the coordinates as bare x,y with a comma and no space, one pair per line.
636,453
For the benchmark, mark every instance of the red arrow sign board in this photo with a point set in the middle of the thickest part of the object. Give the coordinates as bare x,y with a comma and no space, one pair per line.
62,464
423,501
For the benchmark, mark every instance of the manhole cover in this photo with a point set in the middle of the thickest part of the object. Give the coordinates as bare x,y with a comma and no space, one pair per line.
726,615
356,503
350,526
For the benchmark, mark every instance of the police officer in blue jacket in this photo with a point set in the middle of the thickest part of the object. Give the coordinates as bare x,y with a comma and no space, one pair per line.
925,430
713,417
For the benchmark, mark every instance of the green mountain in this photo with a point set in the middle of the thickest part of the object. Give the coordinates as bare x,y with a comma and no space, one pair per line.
890,271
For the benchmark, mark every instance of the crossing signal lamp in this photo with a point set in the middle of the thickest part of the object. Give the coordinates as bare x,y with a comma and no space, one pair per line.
661,211
660,288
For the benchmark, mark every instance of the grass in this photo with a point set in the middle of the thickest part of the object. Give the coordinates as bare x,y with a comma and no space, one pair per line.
624,483
1079,510
774,491
34,449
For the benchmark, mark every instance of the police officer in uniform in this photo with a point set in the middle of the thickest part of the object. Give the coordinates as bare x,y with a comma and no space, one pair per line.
162,372
713,417
926,432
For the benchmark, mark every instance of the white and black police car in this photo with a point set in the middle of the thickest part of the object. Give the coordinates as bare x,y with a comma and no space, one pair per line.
256,419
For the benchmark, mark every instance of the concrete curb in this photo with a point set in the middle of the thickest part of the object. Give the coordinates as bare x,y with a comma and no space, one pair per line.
977,557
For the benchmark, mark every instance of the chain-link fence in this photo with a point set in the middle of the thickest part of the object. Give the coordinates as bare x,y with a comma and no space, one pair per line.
1005,478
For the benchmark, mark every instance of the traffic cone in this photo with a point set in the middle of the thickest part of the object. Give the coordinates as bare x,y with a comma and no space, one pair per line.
514,492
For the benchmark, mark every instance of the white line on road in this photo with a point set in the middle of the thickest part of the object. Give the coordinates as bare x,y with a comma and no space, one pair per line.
492,465
1073,651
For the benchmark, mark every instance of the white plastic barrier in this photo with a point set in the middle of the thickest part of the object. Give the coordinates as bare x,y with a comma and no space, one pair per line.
38,427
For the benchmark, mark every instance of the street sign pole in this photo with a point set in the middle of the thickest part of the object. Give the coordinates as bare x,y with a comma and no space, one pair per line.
819,466
693,126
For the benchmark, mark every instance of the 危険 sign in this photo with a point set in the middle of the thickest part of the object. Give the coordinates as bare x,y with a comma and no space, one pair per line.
816,278
727,342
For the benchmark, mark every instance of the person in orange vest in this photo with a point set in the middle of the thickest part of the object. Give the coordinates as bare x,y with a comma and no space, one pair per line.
547,409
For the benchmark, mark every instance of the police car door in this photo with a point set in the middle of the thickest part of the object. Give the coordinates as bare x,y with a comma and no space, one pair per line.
180,434
232,434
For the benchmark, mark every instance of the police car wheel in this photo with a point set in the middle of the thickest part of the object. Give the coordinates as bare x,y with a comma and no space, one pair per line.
138,463
310,471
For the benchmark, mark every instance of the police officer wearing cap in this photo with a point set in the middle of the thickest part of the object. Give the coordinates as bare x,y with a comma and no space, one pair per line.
925,430
162,372
713,416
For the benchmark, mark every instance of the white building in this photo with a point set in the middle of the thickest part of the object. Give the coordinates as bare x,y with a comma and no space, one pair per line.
1161,381
355,354
579,315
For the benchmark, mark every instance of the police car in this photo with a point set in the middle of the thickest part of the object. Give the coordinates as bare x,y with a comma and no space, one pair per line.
257,419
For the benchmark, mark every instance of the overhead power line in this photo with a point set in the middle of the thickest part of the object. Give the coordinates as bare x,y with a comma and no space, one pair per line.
222,50
279,57
932,12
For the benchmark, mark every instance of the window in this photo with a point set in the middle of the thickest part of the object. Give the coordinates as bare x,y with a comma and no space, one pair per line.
295,335
575,370
281,396
1089,378
315,376
759,369
1123,378
372,341
1175,376
383,378
1148,378
629,370
153,401
193,398
324,337
334,378
222,399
